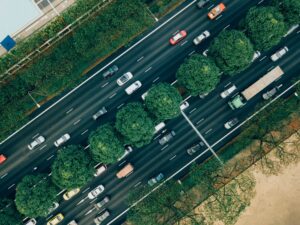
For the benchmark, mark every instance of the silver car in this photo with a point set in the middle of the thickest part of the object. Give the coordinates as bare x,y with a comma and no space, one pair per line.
269,94
124,78
101,112
277,55
99,219
228,91
197,40
165,139
100,204
95,192
36,142
62,140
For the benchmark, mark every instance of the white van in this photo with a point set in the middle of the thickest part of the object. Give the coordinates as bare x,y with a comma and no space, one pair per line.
159,126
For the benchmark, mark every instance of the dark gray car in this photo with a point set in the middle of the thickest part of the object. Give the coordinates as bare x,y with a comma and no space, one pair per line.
202,3
101,112
195,148
165,139
111,71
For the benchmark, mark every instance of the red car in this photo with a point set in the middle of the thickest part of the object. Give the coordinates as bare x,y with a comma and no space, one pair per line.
178,37
2,158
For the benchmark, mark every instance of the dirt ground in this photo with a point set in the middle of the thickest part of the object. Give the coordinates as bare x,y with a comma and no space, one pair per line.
277,200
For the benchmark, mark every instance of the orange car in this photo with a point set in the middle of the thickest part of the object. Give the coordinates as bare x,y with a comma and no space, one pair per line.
216,11
2,158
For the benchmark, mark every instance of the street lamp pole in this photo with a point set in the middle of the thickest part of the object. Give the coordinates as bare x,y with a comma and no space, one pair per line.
156,19
37,104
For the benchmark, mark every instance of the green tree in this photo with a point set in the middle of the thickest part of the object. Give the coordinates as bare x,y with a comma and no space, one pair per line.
265,27
72,167
134,123
232,51
105,144
198,74
8,213
163,101
35,195
290,10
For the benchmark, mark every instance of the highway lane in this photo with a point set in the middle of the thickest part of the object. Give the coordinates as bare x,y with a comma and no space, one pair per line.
86,103
211,121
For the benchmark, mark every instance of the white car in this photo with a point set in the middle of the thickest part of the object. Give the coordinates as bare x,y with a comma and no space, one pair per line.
62,140
36,142
97,191
256,55
231,123
73,222
30,221
184,105
277,55
133,87
228,91
124,78
197,40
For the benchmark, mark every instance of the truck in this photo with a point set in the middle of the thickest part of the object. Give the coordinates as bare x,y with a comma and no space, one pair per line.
240,99
125,171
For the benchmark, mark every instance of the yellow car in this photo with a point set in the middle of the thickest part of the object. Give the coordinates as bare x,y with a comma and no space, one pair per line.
71,193
56,219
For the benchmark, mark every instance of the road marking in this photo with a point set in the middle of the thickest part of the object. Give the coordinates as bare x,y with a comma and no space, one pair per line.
76,122
200,121
49,174
70,110
191,53
210,130
211,6
85,190
4,175
84,131
48,218
157,137
183,43
120,105
148,69
270,68
193,110
44,146
261,1
11,186
86,147
174,82
226,27
105,84
262,58
97,165
35,136
50,157
137,184
227,84
187,98
113,95
219,17
61,192
93,200
298,31
81,201
122,163
172,157
155,79
100,70
164,147
88,212
140,58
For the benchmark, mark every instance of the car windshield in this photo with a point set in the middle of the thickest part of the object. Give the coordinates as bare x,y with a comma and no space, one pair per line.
177,36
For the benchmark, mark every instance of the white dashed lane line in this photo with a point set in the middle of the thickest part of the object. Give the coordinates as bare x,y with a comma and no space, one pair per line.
84,131
164,147
156,79
113,95
4,175
148,69
50,157
173,157
105,84
70,110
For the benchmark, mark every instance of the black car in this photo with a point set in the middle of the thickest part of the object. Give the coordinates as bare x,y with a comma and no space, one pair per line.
111,71
202,3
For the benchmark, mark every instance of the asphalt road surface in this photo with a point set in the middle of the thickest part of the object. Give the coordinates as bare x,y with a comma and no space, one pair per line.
152,61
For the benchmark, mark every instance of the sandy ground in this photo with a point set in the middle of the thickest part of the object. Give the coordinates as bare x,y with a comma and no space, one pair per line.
277,200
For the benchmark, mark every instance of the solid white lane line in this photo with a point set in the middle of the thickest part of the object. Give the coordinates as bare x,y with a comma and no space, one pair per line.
50,157
105,84
263,58
120,105
148,69
140,59
193,110
137,184
165,147
84,131
85,190
11,186
155,79
173,157
76,122
70,110
113,95
4,175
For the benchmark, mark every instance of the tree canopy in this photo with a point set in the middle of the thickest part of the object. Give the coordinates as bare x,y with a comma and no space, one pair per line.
105,144
163,101
8,213
198,74
72,167
265,27
290,10
134,123
35,195
232,51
